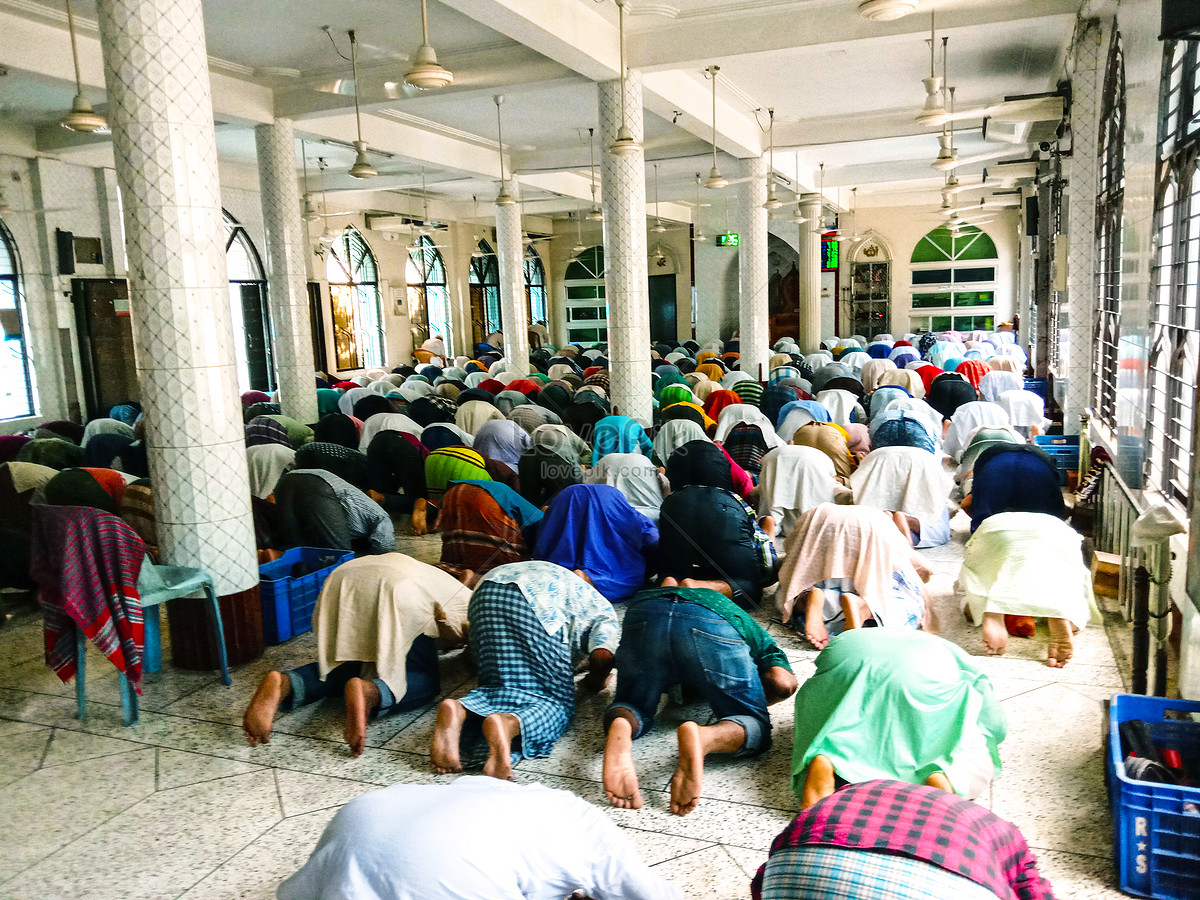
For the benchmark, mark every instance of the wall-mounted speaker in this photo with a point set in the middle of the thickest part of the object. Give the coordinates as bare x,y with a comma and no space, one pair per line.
1031,215
64,244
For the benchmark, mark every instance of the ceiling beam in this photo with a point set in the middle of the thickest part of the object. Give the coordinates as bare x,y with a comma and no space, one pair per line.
577,36
693,41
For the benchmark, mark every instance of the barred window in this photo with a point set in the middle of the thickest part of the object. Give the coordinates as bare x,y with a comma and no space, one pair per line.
1175,315
1110,202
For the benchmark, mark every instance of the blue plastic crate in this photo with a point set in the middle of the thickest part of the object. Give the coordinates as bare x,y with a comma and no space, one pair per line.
1039,386
1156,827
1063,449
287,602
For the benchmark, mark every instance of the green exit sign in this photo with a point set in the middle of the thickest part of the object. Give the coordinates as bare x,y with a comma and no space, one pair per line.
727,240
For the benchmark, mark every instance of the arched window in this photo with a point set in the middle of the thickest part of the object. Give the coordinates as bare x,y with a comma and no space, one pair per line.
954,281
535,288
428,297
353,280
587,310
484,280
248,310
1175,311
16,370
1110,212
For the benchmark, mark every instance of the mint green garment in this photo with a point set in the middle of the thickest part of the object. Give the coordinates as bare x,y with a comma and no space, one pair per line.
763,649
897,704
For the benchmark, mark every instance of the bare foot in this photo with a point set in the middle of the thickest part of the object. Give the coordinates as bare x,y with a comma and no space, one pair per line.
940,781
995,635
815,631
689,774
362,696
499,729
584,575
670,582
620,776
443,750
265,703
818,781
420,509
1062,644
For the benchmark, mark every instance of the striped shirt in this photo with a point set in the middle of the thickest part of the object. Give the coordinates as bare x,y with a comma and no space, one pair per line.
365,517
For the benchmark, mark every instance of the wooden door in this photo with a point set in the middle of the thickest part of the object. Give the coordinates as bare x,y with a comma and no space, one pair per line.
106,348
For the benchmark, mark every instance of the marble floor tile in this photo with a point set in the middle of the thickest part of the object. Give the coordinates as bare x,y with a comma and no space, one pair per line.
255,871
22,752
72,746
174,838
48,809
710,874
300,792
178,769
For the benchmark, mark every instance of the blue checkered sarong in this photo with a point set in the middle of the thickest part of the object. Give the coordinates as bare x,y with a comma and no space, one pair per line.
522,670
818,872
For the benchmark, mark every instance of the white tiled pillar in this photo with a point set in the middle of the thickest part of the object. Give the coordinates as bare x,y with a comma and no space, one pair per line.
623,184
510,259
287,250
1087,82
753,273
160,112
808,335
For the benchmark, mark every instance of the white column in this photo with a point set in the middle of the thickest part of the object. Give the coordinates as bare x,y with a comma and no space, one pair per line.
510,259
808,335
753,312
1087,82
623,184
160,112
287,250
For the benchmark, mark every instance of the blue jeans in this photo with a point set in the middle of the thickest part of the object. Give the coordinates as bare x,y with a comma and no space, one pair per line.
421,671
664,642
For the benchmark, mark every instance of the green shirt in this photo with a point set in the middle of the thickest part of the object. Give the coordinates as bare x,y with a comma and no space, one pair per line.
763,649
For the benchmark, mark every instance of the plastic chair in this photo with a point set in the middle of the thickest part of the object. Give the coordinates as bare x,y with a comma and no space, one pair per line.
157,585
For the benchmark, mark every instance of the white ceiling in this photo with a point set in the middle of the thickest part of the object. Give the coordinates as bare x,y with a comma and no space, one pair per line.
845,90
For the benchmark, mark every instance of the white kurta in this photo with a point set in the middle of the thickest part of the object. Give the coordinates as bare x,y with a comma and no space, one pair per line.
371,609
477,838
793,481
636,477
907,479
1026,564
965,420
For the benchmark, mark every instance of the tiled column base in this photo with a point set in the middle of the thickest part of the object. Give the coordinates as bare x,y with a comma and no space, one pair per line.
753,312
623,183
160,112
286,252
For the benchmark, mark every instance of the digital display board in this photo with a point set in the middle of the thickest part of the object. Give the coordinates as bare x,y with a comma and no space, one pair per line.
727,240
830,257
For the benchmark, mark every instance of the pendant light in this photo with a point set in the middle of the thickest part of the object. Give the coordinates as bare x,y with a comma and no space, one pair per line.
595,214
579,244
476,250
362,167
503,198
934,113
698,235
658,228
82,117
310,213
624,145
425,73
821,229
797,218
772,202
328,235
947,157
715,179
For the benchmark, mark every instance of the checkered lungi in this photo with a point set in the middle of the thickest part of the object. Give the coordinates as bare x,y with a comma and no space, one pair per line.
818,872
522,670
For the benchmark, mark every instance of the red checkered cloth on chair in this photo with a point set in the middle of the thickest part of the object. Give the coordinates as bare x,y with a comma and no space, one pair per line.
86,564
